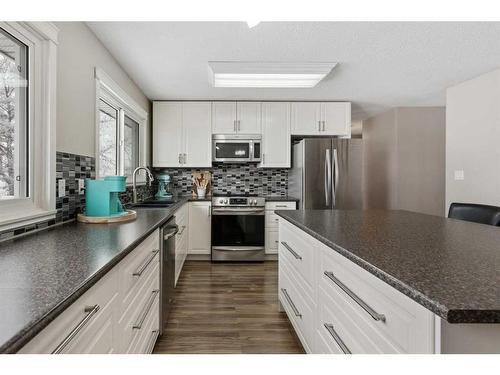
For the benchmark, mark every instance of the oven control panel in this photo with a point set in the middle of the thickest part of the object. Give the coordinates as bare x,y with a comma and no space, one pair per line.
238,201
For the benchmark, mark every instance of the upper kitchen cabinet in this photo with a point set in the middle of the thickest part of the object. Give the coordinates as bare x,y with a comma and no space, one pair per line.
327,119
182,134
236,117
275,135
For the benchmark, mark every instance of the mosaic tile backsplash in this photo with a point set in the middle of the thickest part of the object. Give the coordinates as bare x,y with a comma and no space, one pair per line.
235,179
71,167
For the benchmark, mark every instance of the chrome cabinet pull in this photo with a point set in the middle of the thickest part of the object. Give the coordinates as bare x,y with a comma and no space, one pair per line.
184,158
145,264
239,125
209,211
154,337
290,302
180,158
182,231
276,220
319,126
234,125
336,337
140,321
297,256
281,206
323,126
375,315
91,311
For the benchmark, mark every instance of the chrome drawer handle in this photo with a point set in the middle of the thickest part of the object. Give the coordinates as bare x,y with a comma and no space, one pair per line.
297,256
154,337
281,206
91,311
138,324
375,315
290,302
145,264
336,337
182,231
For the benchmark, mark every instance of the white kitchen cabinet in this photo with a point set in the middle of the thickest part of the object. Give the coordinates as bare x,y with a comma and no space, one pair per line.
102,320
167,134
197,133
224,117
325,296
271,223
181,238
236,117
182,134
306,118
321,118
200,227
276,147
336,117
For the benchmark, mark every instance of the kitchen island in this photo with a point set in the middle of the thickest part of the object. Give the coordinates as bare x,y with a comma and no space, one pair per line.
449,267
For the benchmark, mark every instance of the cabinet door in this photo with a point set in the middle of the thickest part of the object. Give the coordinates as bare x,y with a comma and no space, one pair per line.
223,117
306,118
167,134
200,220
249,116
337,119
275,135
197,127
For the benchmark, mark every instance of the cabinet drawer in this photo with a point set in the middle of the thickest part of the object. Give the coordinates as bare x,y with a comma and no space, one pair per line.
136,268
281,205
299,251
272,220
93,322
299,312
145,339
272,242
138,308
406,327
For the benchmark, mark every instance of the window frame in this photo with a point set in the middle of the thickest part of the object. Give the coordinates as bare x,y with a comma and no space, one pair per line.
110,92
39,205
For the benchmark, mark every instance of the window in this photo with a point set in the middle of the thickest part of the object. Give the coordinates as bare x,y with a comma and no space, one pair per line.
13,117
121,129
28,54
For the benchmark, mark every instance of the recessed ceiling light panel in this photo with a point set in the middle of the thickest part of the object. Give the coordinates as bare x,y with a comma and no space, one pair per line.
267,74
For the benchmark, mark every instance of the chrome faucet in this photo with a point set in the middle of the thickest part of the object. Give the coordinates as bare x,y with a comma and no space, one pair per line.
149,176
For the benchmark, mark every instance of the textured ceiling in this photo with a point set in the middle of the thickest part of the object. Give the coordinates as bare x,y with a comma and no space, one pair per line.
381,65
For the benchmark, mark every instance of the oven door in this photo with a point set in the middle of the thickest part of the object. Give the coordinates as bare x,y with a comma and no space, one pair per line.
238,234
232,151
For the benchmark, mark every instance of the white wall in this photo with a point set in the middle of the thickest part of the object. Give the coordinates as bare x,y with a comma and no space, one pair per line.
473,140
79,52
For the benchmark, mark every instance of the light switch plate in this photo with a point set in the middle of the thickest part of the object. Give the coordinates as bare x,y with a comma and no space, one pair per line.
459,175
81,186
61,186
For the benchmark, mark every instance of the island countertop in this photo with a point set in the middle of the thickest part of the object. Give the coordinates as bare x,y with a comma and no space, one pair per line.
450,267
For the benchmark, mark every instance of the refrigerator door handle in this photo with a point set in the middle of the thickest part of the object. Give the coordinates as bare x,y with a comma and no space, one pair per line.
328,177
336,172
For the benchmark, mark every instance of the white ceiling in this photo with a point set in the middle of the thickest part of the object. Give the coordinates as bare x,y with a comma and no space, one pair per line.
381,65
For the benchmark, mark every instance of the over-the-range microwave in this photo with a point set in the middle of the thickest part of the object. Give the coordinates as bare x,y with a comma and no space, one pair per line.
236,148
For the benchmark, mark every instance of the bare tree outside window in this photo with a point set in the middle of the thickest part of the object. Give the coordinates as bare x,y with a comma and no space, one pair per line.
13,118
108,131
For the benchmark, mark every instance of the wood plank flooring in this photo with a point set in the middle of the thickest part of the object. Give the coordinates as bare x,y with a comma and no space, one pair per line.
228,308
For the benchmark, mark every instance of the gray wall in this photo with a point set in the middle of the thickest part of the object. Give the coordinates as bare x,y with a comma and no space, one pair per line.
79,51
472,140
404,160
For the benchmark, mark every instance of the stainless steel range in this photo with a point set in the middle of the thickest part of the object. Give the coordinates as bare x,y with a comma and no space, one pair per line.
238,229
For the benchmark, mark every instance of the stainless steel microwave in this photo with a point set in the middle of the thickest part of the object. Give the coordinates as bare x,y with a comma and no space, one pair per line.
236,148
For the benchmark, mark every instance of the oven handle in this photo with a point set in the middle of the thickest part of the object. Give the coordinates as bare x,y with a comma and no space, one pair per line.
238,248
238,211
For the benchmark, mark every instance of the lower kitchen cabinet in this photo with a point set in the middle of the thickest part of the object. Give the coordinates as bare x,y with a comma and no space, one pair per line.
119,314
335,306
272,220
181,238
200,227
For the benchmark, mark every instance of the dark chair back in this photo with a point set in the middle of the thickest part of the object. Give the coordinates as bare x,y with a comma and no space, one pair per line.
478,213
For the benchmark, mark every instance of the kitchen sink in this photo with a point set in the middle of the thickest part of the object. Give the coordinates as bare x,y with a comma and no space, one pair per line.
154,203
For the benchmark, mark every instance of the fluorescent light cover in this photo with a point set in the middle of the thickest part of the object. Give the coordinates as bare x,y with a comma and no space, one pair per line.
268,75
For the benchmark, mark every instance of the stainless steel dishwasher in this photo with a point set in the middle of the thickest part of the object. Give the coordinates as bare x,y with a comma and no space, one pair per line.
167,270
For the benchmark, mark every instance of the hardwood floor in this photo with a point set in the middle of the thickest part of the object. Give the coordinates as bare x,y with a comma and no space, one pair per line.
228,308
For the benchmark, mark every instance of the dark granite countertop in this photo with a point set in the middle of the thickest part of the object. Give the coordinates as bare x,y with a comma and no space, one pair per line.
449,266
43,273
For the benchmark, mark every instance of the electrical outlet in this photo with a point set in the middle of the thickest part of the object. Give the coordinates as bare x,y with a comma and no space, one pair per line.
459,175
61,185
81,185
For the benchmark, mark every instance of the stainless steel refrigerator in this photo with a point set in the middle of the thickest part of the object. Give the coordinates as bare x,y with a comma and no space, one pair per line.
327,173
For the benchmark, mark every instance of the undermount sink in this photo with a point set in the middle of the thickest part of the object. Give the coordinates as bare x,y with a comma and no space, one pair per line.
155,203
